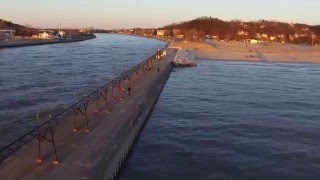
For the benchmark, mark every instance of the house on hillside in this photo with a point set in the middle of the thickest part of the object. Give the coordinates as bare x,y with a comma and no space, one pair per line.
45,34
253,41
291,38
161,32
272,38
84,31
61,34
215,37
242,33
208,36
258,35
243,24
305,29
176,32
6,34
262,26
264,36
298,35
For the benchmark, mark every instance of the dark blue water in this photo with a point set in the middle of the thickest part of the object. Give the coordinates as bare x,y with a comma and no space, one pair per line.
44,79
221,120
233,120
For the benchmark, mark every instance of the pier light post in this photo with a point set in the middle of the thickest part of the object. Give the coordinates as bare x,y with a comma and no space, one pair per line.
150,64
86,115
137,75
130,87
112,94
39,160
97,102
84,112
120,90
107,111
143,71
75,129
55,161
42,135
130,78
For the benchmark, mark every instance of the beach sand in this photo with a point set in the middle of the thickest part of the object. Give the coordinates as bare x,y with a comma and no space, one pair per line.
239,51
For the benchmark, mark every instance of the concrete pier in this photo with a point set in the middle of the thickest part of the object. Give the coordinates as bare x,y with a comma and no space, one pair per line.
23,43
95,144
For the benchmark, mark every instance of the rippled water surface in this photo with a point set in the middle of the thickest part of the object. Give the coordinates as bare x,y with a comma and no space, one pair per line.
233,120
44,79
220,120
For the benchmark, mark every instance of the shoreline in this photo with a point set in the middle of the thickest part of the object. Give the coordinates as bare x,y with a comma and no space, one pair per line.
93,147
25,43
238,51
250,61
149,37
245,52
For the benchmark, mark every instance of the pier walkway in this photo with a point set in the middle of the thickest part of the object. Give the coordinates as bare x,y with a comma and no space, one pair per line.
92,138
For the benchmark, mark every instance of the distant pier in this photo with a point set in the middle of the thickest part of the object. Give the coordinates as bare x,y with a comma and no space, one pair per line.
32,42
92,138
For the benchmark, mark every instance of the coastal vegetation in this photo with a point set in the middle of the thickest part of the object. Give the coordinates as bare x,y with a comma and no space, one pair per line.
29,31
262,30
15,35
19,29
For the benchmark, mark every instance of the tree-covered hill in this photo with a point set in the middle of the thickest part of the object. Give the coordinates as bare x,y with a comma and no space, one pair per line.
20,30
239,30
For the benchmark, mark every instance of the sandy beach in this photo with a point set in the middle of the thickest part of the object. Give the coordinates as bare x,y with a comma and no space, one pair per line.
239,51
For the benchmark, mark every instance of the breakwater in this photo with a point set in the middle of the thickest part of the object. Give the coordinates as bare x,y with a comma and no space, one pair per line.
111,165
12,44
184,58
85,133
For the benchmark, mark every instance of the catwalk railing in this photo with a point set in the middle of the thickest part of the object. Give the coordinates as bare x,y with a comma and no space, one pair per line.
133,124
46,130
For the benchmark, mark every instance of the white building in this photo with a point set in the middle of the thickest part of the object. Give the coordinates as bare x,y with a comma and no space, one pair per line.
61,33
45,35
215,37
6,34
264,36
262,26
242,33
253,41
243,24
272,38
87,31
161,32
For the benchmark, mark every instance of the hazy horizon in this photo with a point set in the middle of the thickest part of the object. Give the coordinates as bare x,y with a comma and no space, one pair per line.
112,14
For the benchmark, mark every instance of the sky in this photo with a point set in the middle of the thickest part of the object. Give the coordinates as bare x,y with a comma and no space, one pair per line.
115,14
